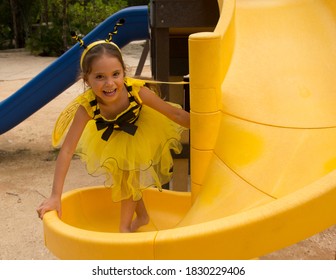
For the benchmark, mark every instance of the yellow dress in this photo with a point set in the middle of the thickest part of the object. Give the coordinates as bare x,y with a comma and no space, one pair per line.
134,153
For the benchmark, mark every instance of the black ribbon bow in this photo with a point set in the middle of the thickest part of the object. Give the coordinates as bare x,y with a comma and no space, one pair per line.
122,122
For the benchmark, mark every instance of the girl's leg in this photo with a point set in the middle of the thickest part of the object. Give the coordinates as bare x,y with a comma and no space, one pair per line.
128,208
142,217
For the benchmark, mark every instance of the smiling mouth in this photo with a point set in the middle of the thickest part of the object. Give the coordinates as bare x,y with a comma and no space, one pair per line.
109,92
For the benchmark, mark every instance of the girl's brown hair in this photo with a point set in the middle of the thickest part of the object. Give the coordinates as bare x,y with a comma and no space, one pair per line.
97,51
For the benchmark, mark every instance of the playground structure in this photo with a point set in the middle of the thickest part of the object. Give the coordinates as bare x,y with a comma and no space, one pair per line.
263,153
63,72
171,23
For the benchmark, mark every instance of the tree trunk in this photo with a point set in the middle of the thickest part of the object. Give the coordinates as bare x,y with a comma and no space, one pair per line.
17,24
65,24
45,13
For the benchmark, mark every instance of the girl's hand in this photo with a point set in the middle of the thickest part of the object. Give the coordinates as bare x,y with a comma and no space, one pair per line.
52,203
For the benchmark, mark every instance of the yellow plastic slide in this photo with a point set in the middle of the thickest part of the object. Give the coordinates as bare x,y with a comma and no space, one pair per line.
263,146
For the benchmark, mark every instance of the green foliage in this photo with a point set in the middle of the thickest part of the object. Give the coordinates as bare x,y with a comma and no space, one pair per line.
18,13
5,37
85,17
6,33
47,23
137,2
47,41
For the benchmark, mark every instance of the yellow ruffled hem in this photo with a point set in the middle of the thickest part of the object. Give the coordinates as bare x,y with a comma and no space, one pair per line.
132,163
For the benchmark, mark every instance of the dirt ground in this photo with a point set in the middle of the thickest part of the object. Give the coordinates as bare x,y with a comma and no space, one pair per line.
27,162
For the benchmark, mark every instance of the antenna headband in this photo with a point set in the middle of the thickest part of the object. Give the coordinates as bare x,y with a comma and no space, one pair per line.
92,45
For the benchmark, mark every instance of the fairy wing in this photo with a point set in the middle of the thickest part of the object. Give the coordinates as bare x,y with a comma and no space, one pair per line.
63,122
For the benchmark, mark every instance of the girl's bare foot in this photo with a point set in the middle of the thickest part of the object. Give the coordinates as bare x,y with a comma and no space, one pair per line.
124,230
139,222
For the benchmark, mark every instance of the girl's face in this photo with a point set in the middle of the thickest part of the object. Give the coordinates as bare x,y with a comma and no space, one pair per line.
106,78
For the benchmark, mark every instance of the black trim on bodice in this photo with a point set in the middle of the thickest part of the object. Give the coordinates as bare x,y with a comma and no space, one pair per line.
124,122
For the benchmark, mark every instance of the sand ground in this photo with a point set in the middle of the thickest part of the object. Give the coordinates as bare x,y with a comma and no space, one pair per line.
27,162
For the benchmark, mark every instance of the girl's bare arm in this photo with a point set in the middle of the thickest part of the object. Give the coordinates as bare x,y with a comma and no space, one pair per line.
177,115
63,162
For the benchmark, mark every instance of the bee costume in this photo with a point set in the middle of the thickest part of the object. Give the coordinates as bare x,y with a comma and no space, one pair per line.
133,150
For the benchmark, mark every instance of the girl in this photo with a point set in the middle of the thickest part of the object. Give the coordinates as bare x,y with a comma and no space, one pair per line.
120,128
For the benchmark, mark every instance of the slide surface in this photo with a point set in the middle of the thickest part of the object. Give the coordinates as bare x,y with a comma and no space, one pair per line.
62,73
263,153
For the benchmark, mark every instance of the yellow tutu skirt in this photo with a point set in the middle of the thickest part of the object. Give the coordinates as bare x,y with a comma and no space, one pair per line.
132,163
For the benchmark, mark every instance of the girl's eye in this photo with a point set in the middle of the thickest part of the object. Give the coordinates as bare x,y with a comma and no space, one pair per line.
99,77
116,74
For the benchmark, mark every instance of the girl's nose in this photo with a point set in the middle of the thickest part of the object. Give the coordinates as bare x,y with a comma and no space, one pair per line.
109,81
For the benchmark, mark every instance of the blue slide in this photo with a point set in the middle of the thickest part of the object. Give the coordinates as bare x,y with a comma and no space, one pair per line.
63,72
